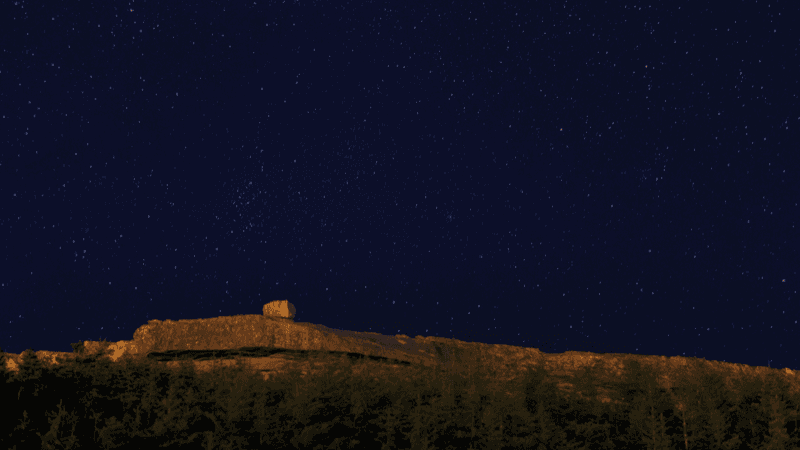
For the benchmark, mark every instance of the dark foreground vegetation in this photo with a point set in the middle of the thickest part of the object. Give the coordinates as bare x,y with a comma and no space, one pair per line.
90,402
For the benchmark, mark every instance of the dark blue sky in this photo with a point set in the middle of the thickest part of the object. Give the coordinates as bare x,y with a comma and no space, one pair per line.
585,176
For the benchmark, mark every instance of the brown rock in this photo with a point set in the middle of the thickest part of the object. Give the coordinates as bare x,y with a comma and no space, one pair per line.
290,344
280,308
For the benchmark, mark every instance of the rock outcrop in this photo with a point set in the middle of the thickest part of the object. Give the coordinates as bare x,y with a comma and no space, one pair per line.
231,332
288,343
280,308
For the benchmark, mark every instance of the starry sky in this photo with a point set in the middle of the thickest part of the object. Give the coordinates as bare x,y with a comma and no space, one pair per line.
608,177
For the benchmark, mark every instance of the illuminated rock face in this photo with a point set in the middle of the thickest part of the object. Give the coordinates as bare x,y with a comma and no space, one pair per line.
280,308
271,344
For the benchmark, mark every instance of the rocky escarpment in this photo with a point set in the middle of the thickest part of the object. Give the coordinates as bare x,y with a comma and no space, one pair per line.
505,363
231,332
272,343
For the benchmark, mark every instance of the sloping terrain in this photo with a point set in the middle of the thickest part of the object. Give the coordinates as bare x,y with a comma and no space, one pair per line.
270,345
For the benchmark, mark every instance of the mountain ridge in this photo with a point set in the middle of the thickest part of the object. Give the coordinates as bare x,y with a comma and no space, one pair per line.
289,344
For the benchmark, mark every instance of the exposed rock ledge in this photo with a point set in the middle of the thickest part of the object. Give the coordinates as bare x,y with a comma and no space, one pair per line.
306,341
235,332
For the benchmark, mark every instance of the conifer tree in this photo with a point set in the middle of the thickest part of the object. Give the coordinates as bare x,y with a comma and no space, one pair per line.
30,368
585,418
649,404
687,400
715,407
181,417
776,438
775,393
751,423
30,392
540,396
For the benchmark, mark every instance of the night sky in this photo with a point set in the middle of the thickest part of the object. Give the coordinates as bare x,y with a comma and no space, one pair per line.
613,177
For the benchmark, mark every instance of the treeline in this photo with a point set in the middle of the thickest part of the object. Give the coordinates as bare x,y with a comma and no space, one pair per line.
91,402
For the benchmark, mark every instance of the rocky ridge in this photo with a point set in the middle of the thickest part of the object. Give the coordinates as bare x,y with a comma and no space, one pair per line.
272,344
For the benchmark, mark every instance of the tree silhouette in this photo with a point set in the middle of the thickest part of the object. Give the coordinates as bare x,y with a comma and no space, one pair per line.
687,401
88,401
585,418
775,395
540,397
714,408
649,405
29,384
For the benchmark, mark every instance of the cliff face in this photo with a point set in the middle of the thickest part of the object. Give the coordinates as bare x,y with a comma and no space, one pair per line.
269,344
260,331
249,331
